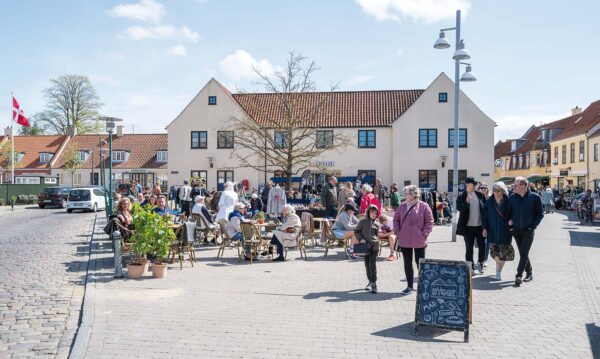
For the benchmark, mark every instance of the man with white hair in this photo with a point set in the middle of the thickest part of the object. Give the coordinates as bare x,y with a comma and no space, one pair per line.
368,198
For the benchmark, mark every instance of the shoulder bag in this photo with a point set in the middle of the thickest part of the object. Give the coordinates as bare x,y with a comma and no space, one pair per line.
397,246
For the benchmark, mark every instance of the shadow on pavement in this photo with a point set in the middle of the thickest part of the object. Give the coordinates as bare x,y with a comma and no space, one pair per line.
593,332
360,295
405,331
490,283
584,239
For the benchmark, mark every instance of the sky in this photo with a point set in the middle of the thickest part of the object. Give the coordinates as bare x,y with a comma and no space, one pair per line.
534,60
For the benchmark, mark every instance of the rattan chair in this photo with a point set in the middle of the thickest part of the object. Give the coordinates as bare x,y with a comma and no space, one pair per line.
184,241
332,240
252,241
308,227
226,241
300,246
203,228
125,236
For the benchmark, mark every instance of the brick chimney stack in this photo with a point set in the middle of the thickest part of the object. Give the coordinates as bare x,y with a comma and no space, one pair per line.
576,111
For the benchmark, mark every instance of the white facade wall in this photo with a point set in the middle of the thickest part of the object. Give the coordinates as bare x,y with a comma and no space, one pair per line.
396,157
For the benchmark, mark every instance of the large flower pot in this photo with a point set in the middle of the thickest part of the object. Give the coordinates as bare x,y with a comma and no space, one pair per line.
159,270
136,270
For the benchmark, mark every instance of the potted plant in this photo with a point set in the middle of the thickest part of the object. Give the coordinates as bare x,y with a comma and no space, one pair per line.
140,242
161,237
260,217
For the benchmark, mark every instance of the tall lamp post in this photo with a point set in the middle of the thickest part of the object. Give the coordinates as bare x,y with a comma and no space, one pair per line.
110,127
460,54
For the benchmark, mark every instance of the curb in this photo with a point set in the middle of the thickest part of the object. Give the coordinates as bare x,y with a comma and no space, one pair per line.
86,318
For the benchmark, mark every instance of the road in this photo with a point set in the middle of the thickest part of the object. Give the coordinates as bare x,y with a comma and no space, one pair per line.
43,261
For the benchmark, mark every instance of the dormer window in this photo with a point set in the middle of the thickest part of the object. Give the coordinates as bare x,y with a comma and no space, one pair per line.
161,156
45,157
82,156
120,156
19,156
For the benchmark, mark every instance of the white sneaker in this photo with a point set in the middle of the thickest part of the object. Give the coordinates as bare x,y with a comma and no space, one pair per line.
498,276
480,269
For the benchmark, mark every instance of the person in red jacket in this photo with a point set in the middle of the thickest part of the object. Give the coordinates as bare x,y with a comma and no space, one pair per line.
368,198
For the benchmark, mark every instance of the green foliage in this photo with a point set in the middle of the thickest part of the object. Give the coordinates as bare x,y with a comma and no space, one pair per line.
152,233
34,130
260,215
6,156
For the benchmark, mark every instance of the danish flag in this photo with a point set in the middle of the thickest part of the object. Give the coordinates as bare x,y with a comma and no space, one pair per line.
18,114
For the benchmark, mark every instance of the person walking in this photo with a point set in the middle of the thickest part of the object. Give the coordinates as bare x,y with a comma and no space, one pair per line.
524,209
329,197
413,222
185,198
547,199
366,232
495,227
470,204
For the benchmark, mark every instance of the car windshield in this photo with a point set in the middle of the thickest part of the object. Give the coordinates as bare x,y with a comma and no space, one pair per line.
79,195
50,190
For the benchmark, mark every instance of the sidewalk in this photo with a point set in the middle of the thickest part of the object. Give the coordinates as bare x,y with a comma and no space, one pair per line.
222,308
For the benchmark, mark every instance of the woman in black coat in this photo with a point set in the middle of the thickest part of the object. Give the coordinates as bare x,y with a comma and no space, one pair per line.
496,228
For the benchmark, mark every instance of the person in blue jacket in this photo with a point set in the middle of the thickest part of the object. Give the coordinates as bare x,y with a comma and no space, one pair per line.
525,213
495,227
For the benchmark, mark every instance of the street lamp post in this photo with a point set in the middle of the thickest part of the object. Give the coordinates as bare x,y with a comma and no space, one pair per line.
459,54
110,126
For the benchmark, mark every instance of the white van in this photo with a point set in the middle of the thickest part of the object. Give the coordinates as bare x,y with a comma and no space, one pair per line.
86,199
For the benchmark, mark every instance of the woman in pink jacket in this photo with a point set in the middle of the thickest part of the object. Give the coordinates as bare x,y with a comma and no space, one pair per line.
413,222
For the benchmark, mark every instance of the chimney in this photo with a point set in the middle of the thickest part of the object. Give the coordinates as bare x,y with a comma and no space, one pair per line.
119,131
576,111
71,131
7,132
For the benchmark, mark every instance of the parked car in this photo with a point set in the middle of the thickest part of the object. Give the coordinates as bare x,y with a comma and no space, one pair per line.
123,189
54,196
86,199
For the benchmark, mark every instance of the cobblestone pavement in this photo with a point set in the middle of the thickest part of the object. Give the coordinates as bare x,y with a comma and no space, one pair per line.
43,259
221,308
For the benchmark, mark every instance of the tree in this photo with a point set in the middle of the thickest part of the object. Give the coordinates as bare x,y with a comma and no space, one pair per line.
72,160
71,100
34,130
287,137
6,157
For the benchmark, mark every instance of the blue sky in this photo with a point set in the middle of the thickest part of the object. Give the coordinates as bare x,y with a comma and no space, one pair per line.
535,60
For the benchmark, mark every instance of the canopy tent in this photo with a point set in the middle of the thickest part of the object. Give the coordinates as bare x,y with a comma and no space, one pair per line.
537,178
506,179
284,179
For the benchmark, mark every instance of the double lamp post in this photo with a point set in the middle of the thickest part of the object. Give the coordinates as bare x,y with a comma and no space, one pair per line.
460,54
110,127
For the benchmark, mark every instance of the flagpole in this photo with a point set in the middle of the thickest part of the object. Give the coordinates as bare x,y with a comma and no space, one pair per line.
12,139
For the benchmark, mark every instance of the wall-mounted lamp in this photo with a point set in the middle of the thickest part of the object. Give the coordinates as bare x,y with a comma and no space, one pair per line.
443,158
211,160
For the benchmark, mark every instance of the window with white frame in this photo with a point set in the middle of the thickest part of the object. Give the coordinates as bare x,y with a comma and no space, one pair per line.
45,157
76,179
83,156
161,156
119,156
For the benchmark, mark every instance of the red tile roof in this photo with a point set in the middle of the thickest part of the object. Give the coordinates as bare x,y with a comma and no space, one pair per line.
142,149
502,148
580,123
32,146
335,109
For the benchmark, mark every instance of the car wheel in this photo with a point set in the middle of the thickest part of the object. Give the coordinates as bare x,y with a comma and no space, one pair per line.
95,209
41,206
63,203
69,210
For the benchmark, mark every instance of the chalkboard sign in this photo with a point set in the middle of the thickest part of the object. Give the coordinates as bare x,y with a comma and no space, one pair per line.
444,295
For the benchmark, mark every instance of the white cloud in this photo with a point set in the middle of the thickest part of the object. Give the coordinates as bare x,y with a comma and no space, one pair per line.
145,10
419,10
356,80
178,50
240,64
105,80
514,126
160,32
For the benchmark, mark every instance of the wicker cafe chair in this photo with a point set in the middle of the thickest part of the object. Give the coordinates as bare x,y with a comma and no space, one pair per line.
332,240
184,243
308,227
203,227
252,240
226,241
125,236
300,246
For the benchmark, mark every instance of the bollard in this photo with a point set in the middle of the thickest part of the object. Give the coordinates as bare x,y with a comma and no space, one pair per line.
118,262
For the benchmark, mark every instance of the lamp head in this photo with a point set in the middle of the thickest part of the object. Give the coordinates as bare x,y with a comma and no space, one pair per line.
441,42
468,76
460,53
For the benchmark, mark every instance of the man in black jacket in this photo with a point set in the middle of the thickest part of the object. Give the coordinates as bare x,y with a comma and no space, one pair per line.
329,197
470,205
524,210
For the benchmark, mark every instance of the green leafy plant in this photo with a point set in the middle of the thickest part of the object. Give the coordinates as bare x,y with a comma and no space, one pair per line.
152,233
13,199
260,215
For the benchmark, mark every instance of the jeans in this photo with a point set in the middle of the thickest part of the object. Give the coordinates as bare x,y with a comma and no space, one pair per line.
407,253
472,234
371,266
275,241
524,240
487,250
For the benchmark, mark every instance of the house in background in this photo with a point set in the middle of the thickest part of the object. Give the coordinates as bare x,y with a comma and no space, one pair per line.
402,136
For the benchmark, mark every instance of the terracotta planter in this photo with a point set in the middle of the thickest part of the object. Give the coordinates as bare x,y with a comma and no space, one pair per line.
136,270
260,221
159,270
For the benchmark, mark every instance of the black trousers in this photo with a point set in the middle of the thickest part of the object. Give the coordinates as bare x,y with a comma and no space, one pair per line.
407,254
371,265
186,207
331,212
275,241
524,240
473,234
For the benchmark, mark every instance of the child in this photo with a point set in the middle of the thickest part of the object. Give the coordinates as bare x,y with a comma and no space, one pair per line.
386,234
366,232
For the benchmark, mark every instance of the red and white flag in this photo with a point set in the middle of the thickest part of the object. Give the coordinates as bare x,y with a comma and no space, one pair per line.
18,114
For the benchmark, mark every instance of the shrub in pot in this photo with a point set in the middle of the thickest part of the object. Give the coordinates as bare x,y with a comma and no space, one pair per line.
162,238
140,244
260,217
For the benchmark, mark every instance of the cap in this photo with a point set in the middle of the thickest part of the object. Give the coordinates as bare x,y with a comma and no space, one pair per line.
350,206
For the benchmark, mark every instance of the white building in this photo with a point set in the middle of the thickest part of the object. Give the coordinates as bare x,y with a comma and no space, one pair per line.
402,136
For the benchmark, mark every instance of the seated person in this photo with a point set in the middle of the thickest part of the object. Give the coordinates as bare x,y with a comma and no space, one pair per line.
385,234
200,209
233,227
150,201
123,212
161,208
256,204
344,225
286,234
140,198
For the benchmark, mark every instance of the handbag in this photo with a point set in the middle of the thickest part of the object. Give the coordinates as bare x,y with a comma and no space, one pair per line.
361,249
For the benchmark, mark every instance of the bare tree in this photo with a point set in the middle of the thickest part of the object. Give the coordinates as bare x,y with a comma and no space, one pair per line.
283,130
71,100
72,160
34,130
